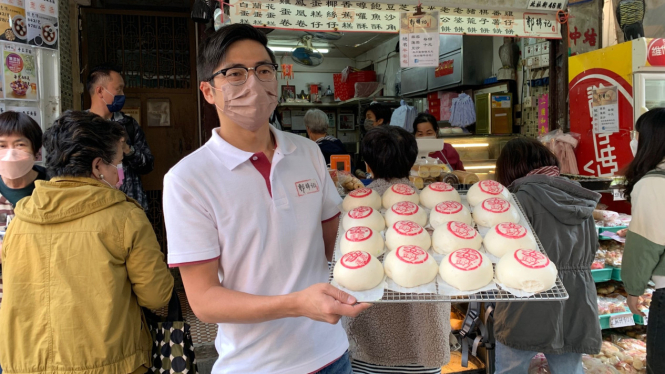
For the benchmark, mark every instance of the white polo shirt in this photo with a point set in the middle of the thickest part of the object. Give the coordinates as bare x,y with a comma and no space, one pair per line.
262,222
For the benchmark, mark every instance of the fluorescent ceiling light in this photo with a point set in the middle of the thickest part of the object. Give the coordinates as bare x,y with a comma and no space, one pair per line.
480,167
471,145
289,49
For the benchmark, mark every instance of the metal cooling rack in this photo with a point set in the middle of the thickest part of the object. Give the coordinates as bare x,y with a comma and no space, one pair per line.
558,292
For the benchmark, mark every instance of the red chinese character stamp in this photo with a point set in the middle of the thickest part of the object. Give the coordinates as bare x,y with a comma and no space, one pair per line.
405,208
462,230
466,259
490,187
358,234
496,205
511,230
362,192
361,212
355,259
411,254
449,207
402,189
407,228
531,259
441,187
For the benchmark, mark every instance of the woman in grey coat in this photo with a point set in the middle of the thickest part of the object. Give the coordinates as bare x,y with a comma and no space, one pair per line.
560,212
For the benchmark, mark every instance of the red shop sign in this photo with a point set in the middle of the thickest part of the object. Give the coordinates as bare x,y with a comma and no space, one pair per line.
444,68
656,52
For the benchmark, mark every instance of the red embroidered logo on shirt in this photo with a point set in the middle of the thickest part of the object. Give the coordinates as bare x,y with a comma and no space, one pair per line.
307,187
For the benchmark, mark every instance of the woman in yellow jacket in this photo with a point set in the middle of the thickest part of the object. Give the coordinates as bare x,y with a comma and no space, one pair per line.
79,261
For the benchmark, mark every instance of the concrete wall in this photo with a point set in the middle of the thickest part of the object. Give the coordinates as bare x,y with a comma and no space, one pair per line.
304,75
383,65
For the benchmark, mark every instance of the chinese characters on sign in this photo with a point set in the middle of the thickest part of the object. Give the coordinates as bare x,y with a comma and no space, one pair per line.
656,52
13,25
419,39
605,110
19,73
543,114
33,112
547,5
378,17
47,7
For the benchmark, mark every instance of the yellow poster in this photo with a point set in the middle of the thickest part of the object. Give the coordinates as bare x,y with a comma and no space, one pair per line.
13,24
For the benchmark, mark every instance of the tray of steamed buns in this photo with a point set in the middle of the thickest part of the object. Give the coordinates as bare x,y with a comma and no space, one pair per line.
440,246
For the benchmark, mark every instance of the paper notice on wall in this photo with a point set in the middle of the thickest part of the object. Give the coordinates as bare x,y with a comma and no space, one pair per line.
543,115
13,26
419,39
33,112
42,30
48,7
605,109
20,73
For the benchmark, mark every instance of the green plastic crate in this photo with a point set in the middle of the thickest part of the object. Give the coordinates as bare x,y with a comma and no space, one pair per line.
605,319
616,274
610,229
602,275
639,320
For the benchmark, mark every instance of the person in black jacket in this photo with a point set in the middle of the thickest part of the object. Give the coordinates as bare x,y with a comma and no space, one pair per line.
106,89
316,123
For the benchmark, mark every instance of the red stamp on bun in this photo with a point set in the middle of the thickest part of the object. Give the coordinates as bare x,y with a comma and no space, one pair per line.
355,259
462,230
362,192
511,230
403,189
405,208
361,212
407,228
496,205
466,259
441,187
449,207
411,254
531,259
490,187
358,234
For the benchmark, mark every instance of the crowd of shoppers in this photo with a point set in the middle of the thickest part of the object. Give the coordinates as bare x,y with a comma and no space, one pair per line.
252,218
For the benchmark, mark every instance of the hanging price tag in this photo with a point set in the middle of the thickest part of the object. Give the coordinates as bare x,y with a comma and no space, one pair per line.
622,320
646,317
618,194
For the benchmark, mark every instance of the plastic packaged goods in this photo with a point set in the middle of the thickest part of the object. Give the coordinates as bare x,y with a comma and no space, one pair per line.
598,264
539,365
594,365
626,355
608,305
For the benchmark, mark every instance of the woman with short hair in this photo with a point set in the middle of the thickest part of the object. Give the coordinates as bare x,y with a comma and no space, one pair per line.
397,338
80,259
561,214
425,126
316,124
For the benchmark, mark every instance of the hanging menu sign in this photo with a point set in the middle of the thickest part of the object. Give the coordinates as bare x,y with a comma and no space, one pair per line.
42,30
348,16
33,112
419,39
19,73
547,4
13,25
48,7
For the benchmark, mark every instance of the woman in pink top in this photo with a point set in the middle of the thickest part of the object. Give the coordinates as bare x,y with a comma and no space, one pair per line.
426,127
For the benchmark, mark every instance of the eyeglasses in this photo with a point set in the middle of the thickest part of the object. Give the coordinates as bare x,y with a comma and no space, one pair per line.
238,75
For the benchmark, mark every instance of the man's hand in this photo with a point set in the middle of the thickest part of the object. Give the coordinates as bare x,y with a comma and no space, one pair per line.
325,303
632,304
126,149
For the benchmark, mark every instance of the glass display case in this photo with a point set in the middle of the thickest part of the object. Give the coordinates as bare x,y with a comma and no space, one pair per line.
479,152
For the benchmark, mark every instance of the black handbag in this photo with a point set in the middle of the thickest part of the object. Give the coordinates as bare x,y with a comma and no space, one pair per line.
173,348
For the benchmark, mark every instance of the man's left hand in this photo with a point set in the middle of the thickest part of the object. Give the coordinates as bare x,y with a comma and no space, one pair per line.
126,149
633,302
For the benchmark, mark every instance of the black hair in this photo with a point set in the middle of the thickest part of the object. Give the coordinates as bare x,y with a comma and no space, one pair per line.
381,111
390,151
76,139
21,124
213,49
99,73
425,117
650,148
519,157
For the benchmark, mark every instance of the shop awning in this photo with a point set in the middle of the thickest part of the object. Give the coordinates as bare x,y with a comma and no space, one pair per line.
355,16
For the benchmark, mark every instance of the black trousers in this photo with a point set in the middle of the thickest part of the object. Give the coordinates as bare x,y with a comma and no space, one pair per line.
656,334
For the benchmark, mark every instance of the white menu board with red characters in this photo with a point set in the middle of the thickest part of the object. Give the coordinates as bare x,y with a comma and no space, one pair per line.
19,72
48,7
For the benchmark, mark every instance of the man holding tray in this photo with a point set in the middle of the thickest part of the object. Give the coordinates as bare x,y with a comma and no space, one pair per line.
251,218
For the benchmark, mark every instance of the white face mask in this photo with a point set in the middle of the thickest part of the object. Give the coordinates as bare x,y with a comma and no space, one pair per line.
633,146
428,137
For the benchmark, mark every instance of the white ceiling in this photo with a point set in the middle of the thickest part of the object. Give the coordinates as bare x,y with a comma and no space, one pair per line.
344,47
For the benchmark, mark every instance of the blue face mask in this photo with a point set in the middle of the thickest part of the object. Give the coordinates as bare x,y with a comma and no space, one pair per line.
117,104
